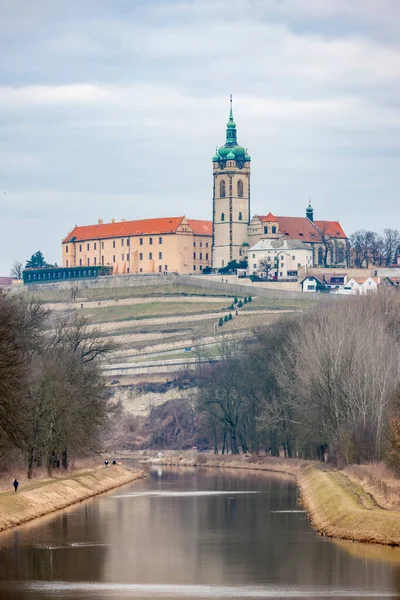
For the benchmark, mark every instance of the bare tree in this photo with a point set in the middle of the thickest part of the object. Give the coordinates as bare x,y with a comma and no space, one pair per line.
267,266
16,269
327,245
391,245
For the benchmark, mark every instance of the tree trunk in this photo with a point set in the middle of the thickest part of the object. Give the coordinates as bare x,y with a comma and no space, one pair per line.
64,459
30,463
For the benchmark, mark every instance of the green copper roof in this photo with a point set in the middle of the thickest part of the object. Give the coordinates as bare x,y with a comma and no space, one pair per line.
231,149
310,211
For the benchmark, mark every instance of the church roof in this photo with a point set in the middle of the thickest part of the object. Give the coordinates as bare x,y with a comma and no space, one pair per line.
332,228
301,228
162,225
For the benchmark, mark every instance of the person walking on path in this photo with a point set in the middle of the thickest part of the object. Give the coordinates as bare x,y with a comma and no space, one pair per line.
106,463
15,484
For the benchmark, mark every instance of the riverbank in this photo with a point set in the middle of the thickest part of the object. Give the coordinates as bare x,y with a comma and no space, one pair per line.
337,506
46,496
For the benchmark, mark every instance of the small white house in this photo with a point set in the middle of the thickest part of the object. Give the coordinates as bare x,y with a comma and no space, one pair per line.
312,284
279,258
362,285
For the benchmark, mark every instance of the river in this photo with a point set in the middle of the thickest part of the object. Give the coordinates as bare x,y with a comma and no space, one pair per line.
186,533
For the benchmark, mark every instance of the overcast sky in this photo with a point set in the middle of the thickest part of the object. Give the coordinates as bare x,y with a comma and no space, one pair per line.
113,109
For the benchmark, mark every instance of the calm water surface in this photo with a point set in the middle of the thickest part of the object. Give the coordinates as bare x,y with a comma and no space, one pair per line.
191,534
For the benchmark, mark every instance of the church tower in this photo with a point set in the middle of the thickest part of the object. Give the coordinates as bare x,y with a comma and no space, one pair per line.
231,199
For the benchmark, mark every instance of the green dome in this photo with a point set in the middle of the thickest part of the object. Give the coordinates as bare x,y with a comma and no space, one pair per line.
231,149
230,152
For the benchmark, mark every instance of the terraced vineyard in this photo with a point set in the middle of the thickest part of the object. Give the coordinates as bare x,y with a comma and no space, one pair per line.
163,329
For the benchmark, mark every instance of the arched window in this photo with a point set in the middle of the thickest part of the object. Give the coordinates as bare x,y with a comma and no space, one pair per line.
240,188
222,216
320,256
222,189
340,254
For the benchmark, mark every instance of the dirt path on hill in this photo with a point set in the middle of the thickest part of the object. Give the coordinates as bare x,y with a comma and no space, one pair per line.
115,325
134,301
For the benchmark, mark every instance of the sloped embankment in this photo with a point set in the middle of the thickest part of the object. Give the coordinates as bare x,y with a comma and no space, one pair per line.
337,506
340,508
45,497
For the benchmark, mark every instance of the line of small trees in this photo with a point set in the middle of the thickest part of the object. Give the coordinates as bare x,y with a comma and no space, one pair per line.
53,399
323,383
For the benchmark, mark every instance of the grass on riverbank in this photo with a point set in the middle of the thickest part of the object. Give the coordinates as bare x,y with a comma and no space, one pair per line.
340,508
43,497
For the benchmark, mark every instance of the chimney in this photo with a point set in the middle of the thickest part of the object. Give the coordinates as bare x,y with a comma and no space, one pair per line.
123,220
112,220
100,221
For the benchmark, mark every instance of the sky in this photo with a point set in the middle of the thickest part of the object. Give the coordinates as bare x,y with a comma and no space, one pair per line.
114,108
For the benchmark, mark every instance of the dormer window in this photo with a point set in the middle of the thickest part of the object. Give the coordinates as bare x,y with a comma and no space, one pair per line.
273,228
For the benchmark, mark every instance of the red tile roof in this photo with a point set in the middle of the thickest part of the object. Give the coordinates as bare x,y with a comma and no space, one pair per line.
295,228
269,217
332,228
201,227
301,228
124,229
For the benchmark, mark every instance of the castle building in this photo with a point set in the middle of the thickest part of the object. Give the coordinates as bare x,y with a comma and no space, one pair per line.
164,245
181,245
234,231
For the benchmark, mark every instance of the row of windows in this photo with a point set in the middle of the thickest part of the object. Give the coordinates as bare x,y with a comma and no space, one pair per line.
128,258
269,258
201,244
60,275
240,217
222,188
160,241
200,256
273,229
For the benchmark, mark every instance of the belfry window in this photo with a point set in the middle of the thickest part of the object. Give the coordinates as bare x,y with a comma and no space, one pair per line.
222,189
240,188
222,216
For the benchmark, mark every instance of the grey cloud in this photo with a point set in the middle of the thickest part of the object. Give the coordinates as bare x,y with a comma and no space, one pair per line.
113,109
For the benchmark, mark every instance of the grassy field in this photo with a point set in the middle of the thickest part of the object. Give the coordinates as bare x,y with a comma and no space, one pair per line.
126,323
152,309
118,293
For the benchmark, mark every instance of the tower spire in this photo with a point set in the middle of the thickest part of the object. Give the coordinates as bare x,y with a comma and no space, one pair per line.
231,135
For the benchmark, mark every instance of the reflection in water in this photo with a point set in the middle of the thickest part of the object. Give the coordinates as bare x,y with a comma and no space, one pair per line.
189,534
